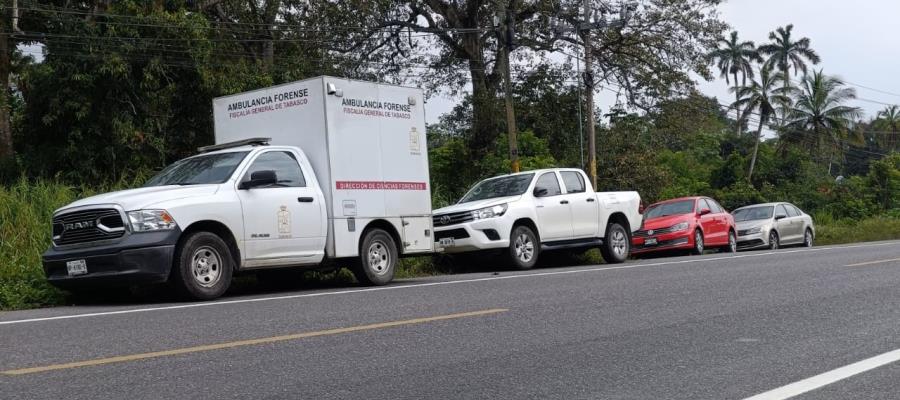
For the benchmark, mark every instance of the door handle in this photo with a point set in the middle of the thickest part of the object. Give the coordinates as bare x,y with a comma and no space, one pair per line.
305,199
591,200
564,202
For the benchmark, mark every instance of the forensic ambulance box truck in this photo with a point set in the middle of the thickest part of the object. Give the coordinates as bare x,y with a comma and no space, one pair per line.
301,173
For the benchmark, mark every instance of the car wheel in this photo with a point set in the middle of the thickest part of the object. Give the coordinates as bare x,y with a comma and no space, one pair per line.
698,243
523,247
774,242
808,238
203,266
617,245
732,243
377,258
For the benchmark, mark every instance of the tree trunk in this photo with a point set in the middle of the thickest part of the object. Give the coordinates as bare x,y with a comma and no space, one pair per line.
755,150
485,110
6,142
737,108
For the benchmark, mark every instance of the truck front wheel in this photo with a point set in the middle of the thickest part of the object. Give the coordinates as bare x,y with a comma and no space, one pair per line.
523,247
377,258
203,266
617,245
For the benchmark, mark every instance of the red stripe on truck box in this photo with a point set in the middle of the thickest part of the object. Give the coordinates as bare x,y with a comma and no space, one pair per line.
379,185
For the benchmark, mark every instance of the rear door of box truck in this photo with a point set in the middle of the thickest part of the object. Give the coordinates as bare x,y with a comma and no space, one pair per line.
379,161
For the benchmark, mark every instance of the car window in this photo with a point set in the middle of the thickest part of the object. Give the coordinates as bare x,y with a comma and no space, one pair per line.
548,181
680,207
714,207
792,211
701,204
780,210
285,165
573,181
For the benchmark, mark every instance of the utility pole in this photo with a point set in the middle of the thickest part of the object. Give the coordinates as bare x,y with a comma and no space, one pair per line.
589,96
506,36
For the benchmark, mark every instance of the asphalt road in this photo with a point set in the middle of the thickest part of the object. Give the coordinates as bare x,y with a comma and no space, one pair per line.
719,326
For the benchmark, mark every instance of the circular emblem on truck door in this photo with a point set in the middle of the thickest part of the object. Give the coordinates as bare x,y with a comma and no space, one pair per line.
445,220
650,232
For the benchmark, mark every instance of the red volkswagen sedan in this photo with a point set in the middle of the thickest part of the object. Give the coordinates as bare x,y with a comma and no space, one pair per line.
688,223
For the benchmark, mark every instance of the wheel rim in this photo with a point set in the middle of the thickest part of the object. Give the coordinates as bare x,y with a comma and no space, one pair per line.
732,243
619,243
524,247
773,241
698,241
379,258
206,266
807,240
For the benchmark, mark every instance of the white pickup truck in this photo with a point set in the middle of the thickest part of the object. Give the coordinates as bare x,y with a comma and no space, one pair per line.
344,176
535,211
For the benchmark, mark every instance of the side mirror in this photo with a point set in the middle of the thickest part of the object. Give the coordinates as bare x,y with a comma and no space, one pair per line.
705,211
259,178
540,192
780,216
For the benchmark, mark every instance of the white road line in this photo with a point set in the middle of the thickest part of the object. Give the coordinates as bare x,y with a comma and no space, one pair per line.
827,378
419,285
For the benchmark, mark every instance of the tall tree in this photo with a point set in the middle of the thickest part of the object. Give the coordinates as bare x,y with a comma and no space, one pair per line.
889,119
734,57
819,110
786,54
761,96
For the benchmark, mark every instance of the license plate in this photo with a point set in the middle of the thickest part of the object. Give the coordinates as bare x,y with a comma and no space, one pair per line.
650,242
77,267
446,242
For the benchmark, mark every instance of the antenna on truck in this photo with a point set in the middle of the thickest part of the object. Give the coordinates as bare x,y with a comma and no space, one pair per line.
259,141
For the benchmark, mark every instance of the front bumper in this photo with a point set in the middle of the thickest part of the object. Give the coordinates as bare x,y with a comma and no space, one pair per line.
753,241
139,258
486,234
669,241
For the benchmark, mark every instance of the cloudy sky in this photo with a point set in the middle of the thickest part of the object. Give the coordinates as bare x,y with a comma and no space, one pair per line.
857,40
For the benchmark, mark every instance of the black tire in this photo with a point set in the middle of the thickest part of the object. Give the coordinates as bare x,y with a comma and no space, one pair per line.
616,244
203,266
774,240
377,259
699,243
732,243
524,247
808,238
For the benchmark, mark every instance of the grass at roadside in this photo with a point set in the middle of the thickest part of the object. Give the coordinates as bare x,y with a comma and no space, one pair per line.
26,208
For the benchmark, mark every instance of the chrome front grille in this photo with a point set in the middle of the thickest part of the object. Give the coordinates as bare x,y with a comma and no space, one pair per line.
87,226
646,232
452,218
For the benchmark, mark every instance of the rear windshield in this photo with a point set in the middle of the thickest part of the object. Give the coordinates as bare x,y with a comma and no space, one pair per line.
199,170
672,208
753,213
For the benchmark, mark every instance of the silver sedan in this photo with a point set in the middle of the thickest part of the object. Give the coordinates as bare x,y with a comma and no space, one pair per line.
772,225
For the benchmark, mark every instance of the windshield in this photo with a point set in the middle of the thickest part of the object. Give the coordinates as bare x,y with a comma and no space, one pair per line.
199,170
666,209
499,187
753,213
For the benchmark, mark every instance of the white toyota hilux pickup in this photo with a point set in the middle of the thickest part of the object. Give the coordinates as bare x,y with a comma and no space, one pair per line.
534,211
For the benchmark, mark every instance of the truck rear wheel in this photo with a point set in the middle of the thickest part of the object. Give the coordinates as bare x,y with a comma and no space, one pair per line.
203,266
616,245
377,258
523,247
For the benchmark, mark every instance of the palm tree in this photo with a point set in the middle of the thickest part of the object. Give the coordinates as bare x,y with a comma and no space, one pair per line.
785,53
889,118
819,109
734,58
762,96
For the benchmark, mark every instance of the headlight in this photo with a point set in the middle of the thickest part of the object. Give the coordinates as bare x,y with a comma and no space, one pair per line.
680,227
489,212
753,231
150,220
